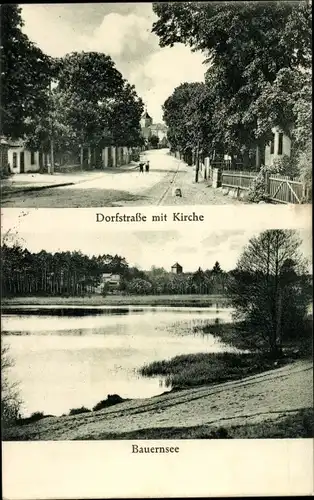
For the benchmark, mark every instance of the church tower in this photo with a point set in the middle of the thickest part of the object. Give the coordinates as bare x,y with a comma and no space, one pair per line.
146,120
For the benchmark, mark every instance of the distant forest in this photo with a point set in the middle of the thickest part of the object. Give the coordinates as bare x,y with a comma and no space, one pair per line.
75,274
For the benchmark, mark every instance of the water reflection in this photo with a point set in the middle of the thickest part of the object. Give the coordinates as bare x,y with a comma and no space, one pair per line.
67,362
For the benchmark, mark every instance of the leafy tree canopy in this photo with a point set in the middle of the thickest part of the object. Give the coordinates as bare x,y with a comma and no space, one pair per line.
270,289
246,44
25,76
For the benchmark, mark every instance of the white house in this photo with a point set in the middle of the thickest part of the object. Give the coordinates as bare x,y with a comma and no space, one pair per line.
23,160
279,146
112,280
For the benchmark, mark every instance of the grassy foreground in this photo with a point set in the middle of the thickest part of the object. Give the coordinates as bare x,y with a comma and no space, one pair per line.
117,300
275,404
298,424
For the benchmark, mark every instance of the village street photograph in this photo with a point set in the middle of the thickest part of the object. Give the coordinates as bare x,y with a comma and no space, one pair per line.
141,104
156,334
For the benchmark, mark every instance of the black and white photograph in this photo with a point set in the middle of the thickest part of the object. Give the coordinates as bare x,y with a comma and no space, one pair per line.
149,335
156,104
156,249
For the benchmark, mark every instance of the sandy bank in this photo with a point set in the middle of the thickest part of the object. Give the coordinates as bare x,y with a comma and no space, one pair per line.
250,400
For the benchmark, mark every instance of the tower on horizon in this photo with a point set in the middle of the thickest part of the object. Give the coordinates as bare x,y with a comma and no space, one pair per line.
176,268
146,119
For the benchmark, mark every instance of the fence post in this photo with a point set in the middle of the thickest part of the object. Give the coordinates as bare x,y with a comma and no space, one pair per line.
267,183
216,177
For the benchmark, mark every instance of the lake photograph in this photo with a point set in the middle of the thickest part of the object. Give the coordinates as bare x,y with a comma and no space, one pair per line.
150,335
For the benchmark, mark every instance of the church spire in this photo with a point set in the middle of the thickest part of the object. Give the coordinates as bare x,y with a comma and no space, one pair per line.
146,119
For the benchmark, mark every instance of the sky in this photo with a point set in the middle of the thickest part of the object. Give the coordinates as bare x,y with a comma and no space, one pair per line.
123,31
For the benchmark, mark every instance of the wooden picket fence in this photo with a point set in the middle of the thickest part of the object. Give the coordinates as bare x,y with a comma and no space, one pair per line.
237,179
279,188
283,189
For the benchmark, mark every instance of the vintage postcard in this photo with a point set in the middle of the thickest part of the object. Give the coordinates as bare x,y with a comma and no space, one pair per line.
156,250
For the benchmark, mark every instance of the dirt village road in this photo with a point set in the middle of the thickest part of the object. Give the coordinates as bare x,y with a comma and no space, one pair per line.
119,187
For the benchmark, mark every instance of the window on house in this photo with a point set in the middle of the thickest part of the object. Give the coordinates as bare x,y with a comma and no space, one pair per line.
280,141
32,158
14,159
272,145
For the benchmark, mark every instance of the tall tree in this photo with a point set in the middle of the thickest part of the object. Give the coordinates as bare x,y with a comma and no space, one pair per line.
91,104
259,38
268,284
188,113
10,398
25,76
217,268
247,44
88,84
125,117
154,141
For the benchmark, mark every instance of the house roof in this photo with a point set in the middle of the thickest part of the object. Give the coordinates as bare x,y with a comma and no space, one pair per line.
159,126
9,143
176,265
146,115
111,276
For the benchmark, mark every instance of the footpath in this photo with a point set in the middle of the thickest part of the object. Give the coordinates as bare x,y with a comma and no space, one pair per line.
192,193
35,181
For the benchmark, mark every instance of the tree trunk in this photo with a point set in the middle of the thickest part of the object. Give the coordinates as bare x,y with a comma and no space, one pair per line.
260,154
52,157
246,160
258,158
82,157
279,322
197,166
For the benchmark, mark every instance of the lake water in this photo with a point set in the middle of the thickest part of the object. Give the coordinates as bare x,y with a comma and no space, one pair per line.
68,362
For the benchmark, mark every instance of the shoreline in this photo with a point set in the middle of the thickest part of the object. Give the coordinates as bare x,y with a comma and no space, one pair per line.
208,412
191,374
119,300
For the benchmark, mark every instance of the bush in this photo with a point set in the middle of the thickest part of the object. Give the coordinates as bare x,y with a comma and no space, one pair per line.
105,290
139,286
35,417
112,399
10,400
305,165
257,190
194,370
284,165
77,411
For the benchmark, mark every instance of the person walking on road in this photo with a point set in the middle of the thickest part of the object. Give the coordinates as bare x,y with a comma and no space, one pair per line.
141,165
147,166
